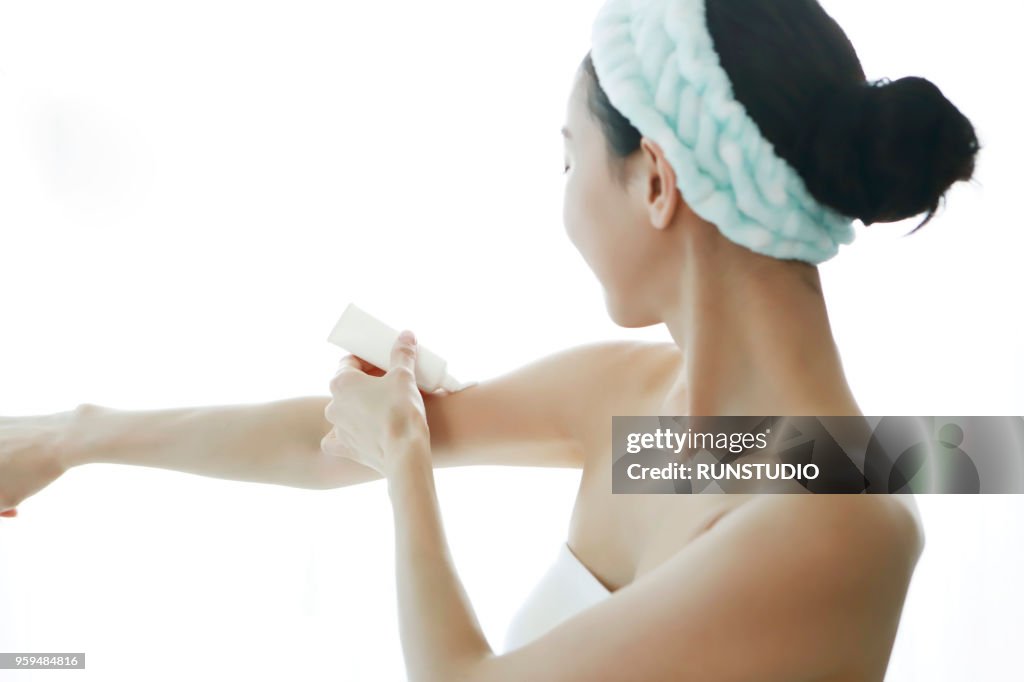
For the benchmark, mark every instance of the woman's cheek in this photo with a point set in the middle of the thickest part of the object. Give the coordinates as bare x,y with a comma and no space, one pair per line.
582,212
571,211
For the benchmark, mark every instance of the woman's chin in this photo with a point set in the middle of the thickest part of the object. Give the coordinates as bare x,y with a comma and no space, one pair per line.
626,315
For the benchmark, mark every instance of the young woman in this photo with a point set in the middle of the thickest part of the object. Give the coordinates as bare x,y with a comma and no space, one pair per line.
716,152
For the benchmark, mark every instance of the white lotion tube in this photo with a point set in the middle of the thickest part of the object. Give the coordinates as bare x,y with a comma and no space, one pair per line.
363,335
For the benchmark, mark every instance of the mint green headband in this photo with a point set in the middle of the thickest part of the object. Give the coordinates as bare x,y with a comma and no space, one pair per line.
656,62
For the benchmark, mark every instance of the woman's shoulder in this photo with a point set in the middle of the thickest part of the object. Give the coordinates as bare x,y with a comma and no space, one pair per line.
864,529
635,377
829,571
906,505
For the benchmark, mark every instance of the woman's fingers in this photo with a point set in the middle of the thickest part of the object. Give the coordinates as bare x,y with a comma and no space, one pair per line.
360,364
10,513
372,370
348,362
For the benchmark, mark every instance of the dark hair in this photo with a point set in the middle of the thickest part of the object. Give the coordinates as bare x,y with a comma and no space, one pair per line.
879,151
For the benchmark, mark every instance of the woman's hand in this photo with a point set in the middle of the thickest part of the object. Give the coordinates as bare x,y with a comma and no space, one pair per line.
29,456
378,418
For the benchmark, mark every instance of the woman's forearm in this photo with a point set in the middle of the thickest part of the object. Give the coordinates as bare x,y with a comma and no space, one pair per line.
441,636
272,442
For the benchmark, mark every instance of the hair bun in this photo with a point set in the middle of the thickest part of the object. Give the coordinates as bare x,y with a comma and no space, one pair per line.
884,151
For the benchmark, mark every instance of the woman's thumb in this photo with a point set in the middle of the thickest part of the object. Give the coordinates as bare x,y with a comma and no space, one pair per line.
403,354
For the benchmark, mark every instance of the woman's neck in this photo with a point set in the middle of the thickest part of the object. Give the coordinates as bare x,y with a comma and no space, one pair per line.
756,340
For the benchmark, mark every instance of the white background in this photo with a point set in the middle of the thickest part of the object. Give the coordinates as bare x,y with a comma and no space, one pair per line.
190,194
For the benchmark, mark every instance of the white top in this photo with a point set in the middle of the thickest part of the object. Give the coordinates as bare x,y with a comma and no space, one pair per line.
567,588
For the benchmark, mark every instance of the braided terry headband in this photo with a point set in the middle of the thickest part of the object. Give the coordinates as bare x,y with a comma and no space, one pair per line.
657,64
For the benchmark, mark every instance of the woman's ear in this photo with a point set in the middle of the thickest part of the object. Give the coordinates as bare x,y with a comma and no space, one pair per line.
661,194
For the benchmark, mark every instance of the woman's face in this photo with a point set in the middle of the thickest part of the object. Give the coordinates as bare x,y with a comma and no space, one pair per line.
609,222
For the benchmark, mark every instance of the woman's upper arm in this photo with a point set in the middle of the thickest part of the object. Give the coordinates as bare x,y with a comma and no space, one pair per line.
786,587
537,414
540,414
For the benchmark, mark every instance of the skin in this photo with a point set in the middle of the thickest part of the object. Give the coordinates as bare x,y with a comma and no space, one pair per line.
715,588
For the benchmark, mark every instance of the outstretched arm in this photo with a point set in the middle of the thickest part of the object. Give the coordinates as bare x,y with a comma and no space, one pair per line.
265,442
533,415
262,442
522,417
